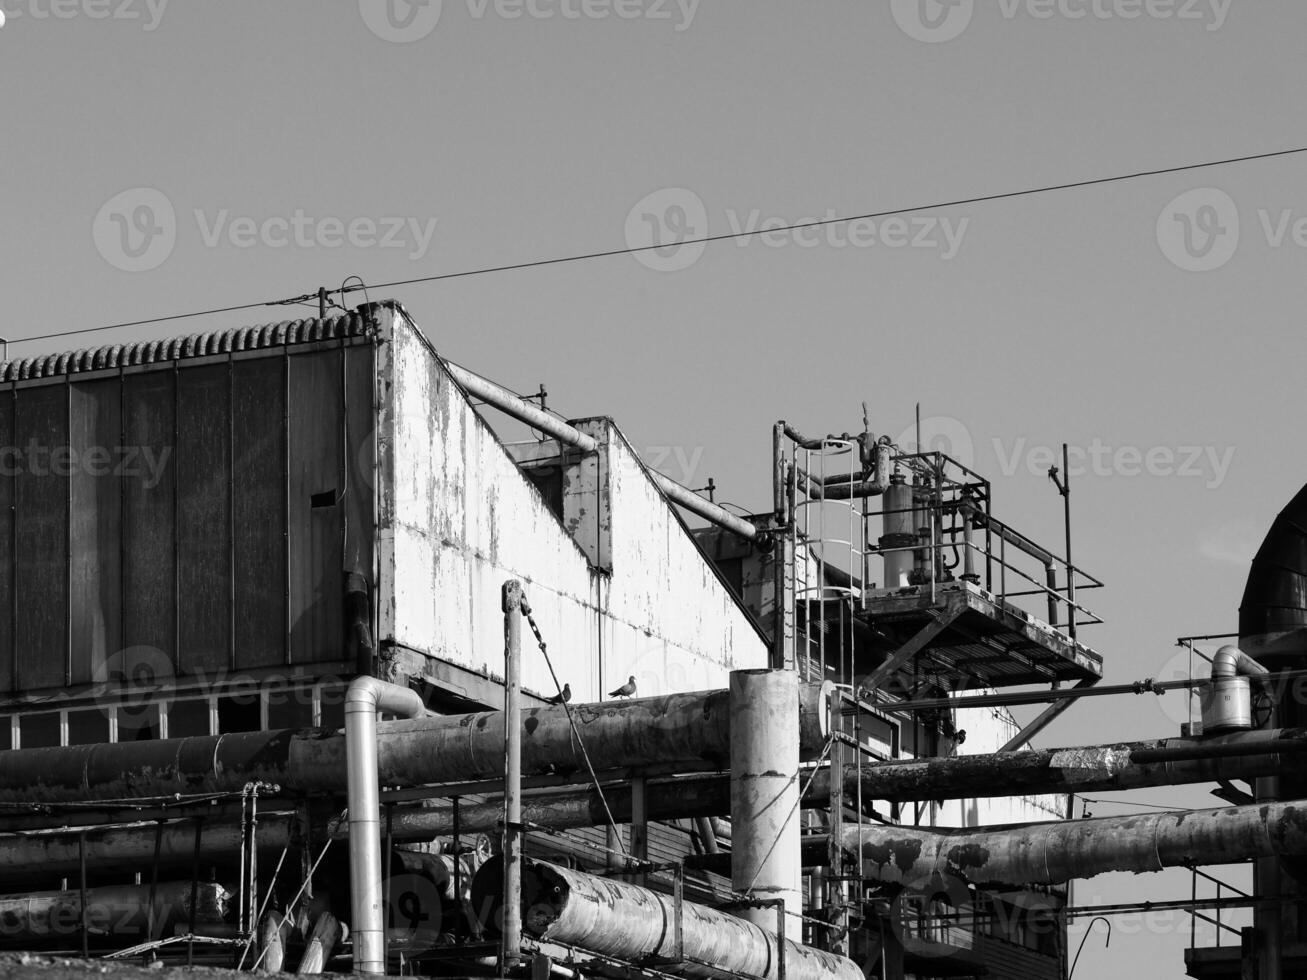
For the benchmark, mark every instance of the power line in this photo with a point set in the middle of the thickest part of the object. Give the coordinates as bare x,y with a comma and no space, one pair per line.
705,240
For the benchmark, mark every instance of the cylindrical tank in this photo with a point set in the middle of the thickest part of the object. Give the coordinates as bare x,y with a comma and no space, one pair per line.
1227,705
899,533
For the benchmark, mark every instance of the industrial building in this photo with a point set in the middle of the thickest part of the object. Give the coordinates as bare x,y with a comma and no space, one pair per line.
304,667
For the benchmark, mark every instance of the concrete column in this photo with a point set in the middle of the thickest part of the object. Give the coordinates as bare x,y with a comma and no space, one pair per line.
765,860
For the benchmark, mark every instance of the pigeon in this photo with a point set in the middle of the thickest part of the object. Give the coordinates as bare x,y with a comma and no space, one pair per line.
562,696
625,691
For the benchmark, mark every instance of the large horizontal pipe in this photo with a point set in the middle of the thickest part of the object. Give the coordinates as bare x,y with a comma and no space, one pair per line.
624,921
673,799
128,849
1087,769
119,913
1052,853
676,729
522,410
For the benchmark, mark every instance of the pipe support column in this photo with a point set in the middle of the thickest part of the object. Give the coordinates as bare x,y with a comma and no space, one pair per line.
765,859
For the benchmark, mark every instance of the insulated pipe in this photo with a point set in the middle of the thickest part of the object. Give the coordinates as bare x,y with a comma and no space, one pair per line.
1083,769
537,418
121,911
765,862
510,953
676,729
1051,853
364,698
621,920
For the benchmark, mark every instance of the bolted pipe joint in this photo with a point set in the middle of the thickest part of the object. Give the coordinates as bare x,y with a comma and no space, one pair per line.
365,697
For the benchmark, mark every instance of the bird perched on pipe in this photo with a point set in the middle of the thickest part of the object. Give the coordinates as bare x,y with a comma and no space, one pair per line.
626,690
562,696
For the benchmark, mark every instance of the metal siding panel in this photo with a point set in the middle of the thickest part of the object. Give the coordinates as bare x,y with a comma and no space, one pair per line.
149,551
259,507
317,416
95,428
204,517
9,459
359,505
41,545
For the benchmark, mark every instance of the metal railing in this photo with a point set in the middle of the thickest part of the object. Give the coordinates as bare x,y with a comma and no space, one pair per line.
1222,887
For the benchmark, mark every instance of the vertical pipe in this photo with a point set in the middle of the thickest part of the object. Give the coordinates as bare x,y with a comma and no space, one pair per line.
364,698
81,898
639,826
511,931
1070,568
765,859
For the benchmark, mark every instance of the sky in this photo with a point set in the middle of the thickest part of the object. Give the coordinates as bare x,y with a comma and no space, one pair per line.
163,158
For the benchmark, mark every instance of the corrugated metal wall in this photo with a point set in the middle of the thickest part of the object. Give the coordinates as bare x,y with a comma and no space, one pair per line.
207,508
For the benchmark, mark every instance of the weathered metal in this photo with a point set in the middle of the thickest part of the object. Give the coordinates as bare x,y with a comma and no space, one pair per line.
621,920
690,728
367,696
765,861
1051,853
510,952
322,941
1085,769
551,425
114,913
126,850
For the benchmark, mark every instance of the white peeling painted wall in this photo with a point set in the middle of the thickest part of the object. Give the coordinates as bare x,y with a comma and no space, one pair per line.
460,519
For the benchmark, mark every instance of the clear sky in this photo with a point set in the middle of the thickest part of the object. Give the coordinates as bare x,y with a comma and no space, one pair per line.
1129,321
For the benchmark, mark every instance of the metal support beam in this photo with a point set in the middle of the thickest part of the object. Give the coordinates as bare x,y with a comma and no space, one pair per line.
510,949
915,645
1043,719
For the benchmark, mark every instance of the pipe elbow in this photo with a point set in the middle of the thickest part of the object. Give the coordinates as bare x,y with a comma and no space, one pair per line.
1230,661
373,695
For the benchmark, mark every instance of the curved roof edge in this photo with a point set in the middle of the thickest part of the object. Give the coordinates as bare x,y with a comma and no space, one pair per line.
111,356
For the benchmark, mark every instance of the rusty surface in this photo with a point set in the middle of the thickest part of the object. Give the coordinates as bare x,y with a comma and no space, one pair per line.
1051,853
618,919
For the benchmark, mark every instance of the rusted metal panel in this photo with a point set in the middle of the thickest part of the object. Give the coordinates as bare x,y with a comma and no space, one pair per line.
150,520
8,551
204,531
316,401
41,546
258,408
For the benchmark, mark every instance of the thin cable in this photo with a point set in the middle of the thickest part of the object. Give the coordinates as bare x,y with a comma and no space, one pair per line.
526,611
959,202
291,905
707,240
795,809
